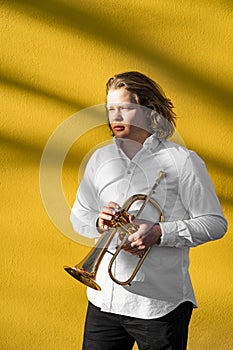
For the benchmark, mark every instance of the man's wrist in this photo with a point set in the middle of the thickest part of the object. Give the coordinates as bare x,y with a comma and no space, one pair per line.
158,232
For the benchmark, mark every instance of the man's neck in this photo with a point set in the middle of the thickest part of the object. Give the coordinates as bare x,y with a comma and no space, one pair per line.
131,147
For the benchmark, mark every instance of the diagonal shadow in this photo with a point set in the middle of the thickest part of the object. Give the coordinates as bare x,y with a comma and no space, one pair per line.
228,3
32,155
4,79
223,165
219,166
30,152
105,30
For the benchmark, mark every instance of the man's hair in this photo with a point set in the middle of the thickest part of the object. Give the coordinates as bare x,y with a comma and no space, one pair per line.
148,93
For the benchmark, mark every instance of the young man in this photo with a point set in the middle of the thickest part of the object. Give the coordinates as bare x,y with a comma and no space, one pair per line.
155,309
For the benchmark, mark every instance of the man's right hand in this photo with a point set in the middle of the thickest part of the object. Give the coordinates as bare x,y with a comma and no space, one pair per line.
106,215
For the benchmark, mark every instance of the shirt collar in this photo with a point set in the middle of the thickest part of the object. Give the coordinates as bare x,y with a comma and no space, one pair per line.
150,143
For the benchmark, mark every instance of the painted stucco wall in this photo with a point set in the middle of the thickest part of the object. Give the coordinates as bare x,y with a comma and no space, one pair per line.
55,59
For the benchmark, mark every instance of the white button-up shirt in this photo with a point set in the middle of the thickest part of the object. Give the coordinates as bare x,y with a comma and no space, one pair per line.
192,216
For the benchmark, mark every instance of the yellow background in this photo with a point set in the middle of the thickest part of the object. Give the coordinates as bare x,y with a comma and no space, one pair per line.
55,59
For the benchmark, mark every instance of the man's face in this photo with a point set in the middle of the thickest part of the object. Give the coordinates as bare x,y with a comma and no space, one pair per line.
127,119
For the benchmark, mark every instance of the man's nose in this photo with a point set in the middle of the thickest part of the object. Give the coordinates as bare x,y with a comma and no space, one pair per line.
118,114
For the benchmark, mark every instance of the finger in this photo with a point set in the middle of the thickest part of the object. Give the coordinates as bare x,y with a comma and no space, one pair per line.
105,217
106,214
137,243
103,225
130,249
131,219
108,210
134,236
136,250
114,206
126,246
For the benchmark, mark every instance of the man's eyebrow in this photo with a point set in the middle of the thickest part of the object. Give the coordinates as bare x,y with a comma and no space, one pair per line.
119,104
109,106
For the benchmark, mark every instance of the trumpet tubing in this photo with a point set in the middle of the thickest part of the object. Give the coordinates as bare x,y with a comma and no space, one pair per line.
86,270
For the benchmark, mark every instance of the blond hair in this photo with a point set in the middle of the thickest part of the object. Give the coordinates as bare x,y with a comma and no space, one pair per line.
148,93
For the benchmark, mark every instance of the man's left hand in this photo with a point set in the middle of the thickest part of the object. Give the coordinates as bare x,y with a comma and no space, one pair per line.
146,236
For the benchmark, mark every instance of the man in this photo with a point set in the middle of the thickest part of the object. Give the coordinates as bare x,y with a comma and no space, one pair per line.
155,309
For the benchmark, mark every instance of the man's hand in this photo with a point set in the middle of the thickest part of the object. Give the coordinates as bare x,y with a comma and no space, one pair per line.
146,236
106,215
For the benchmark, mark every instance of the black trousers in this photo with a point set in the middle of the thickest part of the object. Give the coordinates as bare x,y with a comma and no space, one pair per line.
106,331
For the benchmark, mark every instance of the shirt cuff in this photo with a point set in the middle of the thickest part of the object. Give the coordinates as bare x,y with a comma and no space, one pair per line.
169,230
175,234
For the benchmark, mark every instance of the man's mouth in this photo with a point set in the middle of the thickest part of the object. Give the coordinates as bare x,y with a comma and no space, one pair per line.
119,128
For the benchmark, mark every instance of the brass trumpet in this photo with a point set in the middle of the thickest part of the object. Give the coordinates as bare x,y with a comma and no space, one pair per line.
86,270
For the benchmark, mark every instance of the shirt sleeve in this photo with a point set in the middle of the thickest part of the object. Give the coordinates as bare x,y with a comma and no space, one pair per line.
85,210
206,220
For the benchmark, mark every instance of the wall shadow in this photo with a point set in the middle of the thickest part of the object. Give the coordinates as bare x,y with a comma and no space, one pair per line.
31,155
104,29
29,88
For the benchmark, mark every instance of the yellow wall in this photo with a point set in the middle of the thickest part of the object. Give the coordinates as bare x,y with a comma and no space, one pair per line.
55,59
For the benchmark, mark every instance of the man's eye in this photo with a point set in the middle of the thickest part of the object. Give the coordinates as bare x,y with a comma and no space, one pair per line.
126,108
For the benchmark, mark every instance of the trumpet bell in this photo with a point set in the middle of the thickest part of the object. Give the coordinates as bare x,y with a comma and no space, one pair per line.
82,276
86,270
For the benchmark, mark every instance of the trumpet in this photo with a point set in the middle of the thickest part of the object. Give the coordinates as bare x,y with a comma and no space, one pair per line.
85,271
